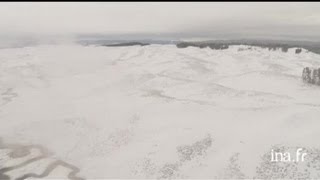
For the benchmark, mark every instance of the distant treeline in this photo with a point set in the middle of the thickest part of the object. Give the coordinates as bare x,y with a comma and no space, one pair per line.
203,45
271,45
282,45
127,44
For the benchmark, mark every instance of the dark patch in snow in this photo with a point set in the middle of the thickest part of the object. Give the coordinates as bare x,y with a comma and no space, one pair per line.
19,151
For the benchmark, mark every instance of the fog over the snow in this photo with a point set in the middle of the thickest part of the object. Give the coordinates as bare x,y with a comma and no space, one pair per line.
171,19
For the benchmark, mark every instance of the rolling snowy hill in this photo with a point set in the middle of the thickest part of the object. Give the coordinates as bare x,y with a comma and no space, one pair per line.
157,111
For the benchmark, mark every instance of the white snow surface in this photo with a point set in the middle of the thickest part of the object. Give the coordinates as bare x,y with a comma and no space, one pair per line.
159,111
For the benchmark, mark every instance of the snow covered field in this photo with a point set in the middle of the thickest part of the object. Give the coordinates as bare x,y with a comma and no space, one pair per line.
156,112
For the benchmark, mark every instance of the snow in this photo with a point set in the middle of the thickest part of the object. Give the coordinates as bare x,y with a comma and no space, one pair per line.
157,111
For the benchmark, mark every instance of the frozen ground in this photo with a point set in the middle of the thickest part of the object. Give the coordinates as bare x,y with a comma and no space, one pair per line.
70,111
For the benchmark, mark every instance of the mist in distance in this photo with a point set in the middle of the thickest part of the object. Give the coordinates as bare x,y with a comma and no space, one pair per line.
67,22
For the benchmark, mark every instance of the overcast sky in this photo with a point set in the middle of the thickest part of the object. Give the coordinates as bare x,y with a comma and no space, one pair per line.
203,19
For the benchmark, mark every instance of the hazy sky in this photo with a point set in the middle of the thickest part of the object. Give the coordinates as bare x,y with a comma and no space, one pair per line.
203,19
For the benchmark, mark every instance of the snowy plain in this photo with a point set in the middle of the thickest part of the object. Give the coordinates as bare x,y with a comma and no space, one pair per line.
158,111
